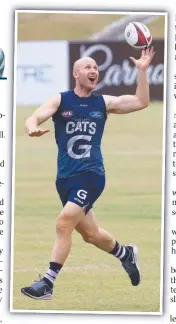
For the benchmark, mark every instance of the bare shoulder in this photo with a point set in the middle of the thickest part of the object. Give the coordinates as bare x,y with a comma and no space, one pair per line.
57,100
53,104
105,97
106,100
110,101
49,108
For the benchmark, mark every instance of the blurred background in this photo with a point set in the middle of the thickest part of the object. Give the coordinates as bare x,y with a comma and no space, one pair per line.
131,204
48,45
84,26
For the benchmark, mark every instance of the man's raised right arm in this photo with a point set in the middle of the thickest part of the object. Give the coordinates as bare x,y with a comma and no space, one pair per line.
40,115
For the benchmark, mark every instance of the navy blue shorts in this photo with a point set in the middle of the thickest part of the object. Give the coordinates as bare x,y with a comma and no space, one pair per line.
83,189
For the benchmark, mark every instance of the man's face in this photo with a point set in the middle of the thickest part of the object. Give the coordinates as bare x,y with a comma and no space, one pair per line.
87,74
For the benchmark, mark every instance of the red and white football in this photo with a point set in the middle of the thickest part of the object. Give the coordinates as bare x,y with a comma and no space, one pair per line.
138,35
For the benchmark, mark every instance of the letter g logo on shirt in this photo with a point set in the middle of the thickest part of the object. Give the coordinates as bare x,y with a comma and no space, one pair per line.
86,147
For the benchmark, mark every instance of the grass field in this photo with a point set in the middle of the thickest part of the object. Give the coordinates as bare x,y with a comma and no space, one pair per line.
130,208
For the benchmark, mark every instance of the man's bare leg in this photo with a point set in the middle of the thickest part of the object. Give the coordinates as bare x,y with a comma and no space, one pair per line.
69,217
128,255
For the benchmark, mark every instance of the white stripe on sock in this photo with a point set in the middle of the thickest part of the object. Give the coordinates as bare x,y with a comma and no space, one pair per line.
117,253
51,275
122,253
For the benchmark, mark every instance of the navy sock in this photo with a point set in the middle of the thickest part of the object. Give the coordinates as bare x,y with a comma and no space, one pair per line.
52,273
120,251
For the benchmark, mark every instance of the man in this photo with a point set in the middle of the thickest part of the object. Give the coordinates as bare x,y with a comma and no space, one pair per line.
79,117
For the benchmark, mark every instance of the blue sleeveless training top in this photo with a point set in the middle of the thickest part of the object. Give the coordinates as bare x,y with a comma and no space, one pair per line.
79,125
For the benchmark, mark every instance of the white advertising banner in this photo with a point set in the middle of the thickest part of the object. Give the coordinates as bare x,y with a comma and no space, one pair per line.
42,71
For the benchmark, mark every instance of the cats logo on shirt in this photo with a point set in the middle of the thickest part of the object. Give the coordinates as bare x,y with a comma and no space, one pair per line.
67,114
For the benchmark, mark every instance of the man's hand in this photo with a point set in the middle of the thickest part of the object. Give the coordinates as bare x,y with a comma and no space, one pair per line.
145,59
129,103
37,132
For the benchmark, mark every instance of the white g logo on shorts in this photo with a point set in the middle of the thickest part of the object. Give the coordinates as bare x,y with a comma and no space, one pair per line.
82,194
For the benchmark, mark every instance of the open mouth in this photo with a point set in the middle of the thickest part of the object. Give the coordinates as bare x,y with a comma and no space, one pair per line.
92,79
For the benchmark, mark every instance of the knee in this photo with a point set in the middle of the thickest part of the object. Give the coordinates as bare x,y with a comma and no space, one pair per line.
91,237
63,224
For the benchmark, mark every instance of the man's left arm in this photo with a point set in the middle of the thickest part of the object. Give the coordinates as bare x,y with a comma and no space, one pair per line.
130,103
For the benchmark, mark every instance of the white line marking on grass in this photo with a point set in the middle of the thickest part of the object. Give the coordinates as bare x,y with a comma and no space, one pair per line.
67,269
135,153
